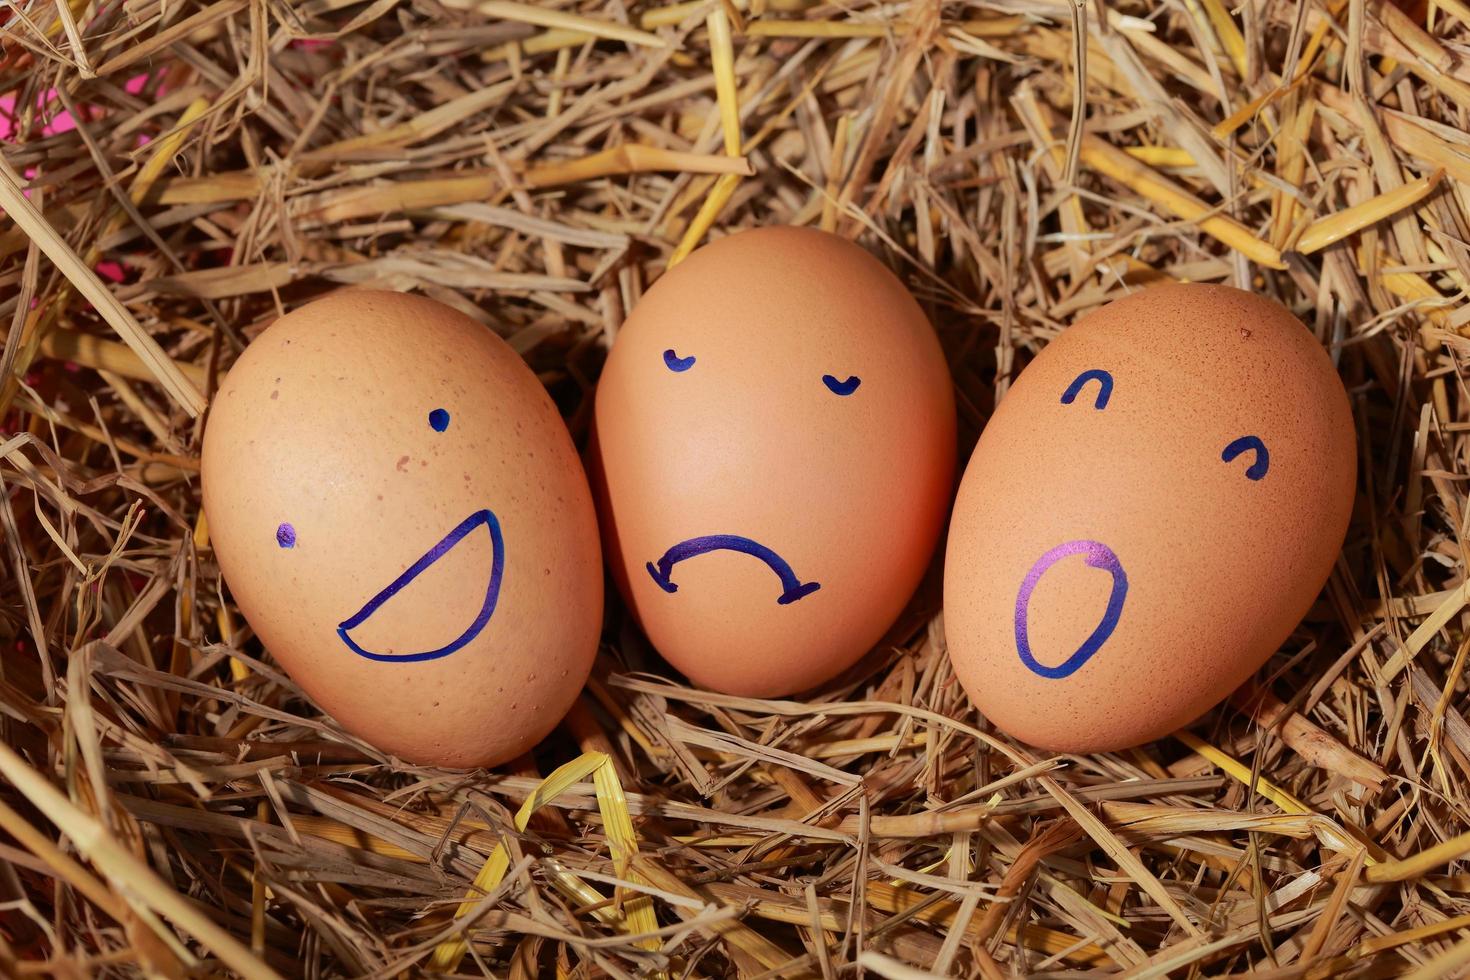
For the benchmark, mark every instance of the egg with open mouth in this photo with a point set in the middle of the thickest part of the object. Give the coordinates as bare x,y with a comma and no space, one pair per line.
399,512
1149,514
775,439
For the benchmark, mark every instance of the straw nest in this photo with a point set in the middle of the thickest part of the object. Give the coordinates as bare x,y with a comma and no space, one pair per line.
172,805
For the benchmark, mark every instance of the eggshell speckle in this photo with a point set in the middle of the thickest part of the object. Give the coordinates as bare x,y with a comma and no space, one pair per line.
399,511
776,435
1151,511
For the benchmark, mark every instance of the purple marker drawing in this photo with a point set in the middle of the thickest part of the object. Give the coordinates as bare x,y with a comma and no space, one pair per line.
1098,555
480,518
286,536
793,587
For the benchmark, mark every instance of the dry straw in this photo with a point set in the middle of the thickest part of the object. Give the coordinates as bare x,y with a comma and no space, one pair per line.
172,805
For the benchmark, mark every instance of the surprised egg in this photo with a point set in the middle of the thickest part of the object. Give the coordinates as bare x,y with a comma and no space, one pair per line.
775,435
400,514
1148,515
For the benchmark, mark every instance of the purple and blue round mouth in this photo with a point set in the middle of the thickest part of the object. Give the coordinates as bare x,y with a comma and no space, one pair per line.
1097,555
793,587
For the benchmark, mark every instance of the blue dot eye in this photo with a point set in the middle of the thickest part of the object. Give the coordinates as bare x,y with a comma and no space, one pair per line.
286,536
1253,444
438,420
1104,381
676,363
843,388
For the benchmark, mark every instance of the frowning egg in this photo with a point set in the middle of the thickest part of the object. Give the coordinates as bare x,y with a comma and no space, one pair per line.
776,439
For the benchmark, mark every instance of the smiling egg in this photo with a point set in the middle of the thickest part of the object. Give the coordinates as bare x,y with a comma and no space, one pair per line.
775,436
400,514
1149,514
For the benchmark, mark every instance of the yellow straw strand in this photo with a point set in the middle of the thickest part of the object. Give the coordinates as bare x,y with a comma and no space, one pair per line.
556,39
612,804
722,55
1230,37
820,29
166,149
1421,863
1161,156
1335,227
544,17
719,196
1235,769
633,158
1114,163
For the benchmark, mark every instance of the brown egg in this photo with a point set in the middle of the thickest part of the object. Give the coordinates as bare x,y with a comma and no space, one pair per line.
399,511
776,438
1149,514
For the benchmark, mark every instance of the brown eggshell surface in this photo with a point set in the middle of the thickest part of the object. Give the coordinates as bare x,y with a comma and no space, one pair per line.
775,414
398,509
1110,574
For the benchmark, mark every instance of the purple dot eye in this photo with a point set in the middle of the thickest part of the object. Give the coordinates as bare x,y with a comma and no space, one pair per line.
286,536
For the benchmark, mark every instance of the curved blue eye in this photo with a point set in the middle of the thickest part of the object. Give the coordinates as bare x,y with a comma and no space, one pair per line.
676,363
1104,387
1252,444
841,387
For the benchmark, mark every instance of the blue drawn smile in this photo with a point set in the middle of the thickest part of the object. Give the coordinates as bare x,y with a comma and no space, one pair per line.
794,587
492,592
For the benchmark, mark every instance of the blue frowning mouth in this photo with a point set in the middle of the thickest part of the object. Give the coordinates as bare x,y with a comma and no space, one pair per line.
794,588
492,592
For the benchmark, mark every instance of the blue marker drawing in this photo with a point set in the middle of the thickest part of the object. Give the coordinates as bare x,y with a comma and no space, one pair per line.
438,420
676,363
492,592
1098,555
1104,387
793,586
286,536
842,387
1263,459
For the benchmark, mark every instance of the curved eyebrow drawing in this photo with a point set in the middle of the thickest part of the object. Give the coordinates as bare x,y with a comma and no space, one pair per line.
1253,443
1104,387
676,363
843,388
